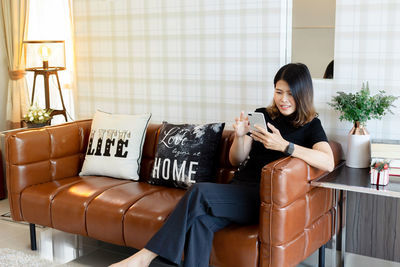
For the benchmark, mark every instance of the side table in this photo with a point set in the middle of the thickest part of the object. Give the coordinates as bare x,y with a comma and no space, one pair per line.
345,179
46,74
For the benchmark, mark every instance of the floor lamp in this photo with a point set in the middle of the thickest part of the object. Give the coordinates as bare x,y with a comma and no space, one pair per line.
46,58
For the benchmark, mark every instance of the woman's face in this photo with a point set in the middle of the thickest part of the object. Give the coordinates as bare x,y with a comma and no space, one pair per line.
283,98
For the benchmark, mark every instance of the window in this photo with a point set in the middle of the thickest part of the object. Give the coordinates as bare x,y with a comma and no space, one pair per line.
53,24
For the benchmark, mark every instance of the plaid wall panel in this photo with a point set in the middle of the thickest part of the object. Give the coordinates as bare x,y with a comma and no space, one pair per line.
205,60
183,61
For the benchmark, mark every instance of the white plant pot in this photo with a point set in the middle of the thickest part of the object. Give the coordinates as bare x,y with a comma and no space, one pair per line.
358,151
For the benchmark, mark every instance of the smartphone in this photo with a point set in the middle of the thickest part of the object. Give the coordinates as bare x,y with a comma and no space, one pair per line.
256,118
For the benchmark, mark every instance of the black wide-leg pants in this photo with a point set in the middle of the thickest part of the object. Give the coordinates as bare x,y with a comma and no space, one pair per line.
202,211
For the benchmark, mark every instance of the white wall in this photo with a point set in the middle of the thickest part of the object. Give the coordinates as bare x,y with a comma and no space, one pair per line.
3,82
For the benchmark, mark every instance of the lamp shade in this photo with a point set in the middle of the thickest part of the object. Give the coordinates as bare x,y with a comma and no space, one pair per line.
44,55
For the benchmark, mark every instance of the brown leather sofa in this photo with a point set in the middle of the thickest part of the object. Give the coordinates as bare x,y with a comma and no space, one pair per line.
44,188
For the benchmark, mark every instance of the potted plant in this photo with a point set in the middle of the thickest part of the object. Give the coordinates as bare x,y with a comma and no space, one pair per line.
358,108
37,117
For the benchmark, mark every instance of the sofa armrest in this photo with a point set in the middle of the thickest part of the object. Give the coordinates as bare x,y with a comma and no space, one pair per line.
286,179
292,211
36,156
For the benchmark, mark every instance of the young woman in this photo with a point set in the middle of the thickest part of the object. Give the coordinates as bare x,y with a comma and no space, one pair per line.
294,129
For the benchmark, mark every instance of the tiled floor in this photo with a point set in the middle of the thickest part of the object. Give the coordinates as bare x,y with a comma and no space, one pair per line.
69,250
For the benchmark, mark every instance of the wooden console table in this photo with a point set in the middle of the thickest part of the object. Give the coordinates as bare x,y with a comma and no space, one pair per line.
344,179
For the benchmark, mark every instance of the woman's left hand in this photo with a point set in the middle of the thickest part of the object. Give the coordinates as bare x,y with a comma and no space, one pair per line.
273,141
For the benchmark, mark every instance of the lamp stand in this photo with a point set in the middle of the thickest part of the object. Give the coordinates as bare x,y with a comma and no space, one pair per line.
46,74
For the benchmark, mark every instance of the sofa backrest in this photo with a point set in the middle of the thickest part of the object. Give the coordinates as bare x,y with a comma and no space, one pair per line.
76,134
74,137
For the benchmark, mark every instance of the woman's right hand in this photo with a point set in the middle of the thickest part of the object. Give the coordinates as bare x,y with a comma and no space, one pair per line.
241,145
241,125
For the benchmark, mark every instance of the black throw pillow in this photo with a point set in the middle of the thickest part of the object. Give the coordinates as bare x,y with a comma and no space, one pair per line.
186,154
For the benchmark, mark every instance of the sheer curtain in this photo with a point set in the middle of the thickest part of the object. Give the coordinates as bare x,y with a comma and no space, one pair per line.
54,24
14,21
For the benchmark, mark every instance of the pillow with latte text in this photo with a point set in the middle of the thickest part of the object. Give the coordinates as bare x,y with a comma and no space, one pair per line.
186,154
115,145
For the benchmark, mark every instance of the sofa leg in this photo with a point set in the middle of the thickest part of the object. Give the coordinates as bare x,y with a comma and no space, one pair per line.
32,231
321,256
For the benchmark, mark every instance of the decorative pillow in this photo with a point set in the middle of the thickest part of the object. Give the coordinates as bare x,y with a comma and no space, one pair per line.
186,154
115,145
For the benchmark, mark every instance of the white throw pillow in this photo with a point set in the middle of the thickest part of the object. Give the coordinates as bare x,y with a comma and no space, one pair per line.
115,145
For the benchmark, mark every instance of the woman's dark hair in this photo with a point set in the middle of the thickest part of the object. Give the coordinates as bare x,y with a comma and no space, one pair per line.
329,71
299,80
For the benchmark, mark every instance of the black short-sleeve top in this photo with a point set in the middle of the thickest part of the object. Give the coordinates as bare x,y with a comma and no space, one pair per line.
306,135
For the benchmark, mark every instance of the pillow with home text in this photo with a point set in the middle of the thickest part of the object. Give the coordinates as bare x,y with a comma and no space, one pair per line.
186,154
115,145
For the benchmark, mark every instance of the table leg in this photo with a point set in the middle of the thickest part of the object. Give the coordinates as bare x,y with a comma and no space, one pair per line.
335,222
343,208
64,110
46,90
33,89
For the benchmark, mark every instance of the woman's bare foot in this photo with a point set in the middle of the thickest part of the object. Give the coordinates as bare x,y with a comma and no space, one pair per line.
142,258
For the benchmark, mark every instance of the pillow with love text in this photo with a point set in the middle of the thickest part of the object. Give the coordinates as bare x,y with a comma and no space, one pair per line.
115,145
186,154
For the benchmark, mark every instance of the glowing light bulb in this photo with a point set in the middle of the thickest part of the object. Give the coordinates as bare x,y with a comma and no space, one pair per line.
45,53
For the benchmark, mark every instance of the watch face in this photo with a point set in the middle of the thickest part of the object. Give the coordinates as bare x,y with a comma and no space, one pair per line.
290,148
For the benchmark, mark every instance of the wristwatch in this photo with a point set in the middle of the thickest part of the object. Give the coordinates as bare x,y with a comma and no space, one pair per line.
289,149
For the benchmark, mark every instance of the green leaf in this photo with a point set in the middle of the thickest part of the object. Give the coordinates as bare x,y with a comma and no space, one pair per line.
361,106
